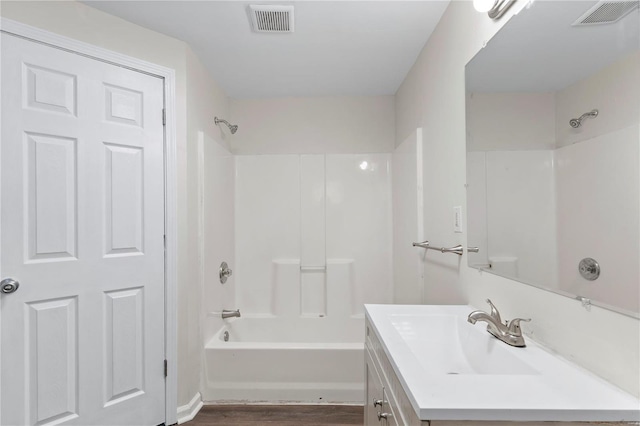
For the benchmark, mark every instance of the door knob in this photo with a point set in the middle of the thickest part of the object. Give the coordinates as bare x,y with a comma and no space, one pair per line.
9,285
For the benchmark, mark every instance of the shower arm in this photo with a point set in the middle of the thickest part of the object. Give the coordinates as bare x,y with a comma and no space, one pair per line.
217,120
593,113
577,122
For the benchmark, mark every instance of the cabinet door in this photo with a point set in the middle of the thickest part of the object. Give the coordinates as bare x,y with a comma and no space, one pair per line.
374,392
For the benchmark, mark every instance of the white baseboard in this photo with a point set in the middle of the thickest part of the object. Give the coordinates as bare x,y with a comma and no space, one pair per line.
189,411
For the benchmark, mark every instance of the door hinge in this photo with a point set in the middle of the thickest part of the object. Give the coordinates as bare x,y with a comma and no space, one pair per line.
165,368
164,117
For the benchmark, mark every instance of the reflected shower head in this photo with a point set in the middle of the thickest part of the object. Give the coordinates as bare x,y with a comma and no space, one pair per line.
577,122
232,127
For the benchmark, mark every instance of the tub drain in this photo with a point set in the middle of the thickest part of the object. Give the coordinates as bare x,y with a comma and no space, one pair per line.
225,336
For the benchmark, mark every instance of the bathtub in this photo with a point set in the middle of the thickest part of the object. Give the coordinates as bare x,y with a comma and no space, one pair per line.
284,360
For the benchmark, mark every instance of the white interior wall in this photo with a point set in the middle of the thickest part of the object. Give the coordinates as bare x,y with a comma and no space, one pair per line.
314,125
511,121
194,113
614,91
433,97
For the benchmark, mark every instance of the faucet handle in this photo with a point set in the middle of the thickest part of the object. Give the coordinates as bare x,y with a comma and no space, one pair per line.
494,312
514,325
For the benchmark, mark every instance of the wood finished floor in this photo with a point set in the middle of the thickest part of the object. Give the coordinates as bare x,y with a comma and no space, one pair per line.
283,415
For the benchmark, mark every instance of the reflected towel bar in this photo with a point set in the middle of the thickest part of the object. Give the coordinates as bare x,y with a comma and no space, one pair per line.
457,249
313,268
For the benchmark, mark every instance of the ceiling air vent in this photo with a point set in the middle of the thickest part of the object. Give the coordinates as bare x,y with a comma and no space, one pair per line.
271,18
607,12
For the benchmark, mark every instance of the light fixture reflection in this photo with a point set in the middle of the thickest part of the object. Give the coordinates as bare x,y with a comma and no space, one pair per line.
494,8
483,5
364,165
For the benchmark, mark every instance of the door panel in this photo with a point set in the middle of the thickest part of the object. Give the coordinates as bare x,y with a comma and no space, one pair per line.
124,368
50,90
52,329
123,200
82,225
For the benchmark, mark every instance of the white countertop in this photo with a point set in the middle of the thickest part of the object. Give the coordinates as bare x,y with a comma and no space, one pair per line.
536,385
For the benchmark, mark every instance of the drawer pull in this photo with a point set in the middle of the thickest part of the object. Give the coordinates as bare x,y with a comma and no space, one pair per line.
383,416
377,402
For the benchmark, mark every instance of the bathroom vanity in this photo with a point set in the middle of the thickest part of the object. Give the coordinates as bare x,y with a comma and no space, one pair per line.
426,365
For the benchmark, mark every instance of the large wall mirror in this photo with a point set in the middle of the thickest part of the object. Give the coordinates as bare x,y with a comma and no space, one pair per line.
553,152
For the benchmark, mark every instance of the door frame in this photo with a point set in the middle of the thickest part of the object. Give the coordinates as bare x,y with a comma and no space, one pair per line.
170,180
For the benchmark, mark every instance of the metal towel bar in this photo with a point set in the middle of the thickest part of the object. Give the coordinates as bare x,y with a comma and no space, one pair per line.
457,249
313,268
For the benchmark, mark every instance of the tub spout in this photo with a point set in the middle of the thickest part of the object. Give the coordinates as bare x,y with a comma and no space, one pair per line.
226,313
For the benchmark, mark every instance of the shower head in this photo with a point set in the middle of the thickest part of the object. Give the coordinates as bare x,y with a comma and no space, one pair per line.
232,127
577,122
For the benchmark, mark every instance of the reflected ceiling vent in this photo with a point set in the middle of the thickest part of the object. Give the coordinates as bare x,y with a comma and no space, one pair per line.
267,18
607,12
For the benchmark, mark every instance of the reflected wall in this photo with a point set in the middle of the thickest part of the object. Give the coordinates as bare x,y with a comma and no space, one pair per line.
542,196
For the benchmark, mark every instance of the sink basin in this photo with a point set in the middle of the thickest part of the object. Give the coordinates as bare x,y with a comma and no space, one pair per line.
456,347
451,370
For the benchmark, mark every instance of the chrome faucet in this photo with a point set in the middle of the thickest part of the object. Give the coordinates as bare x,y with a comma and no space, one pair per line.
509,332
226,313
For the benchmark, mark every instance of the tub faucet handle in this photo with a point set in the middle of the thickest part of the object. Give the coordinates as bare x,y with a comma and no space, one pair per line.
224,272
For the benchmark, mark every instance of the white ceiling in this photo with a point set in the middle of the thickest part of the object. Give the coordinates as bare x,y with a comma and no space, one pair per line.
338,47
539,51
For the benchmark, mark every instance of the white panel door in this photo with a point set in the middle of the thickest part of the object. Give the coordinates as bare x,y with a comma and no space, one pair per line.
408,208
82,225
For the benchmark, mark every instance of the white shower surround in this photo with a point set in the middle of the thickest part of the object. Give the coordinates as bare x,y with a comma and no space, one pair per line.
299,214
